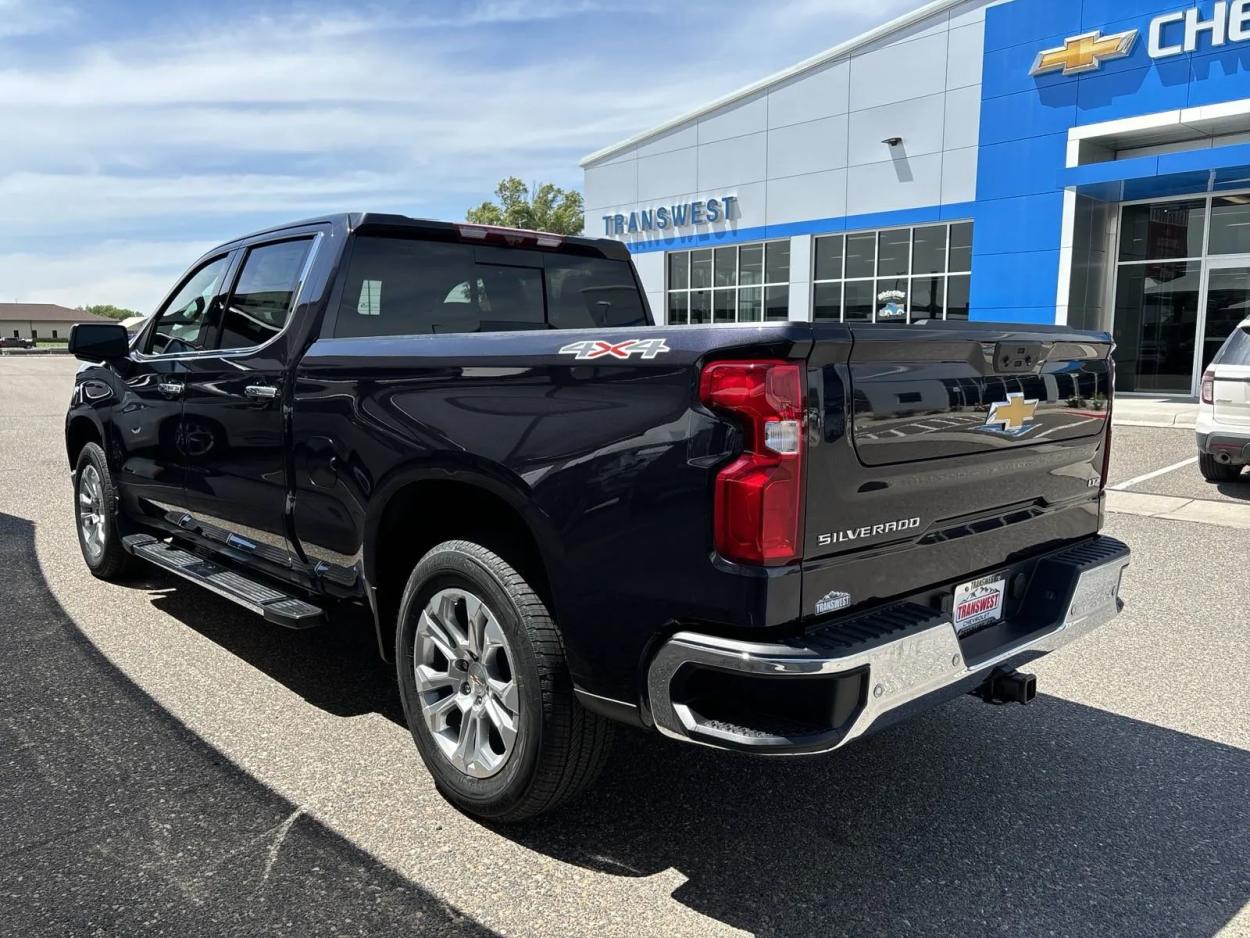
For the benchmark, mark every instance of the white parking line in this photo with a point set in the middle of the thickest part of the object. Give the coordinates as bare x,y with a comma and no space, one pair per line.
1124,486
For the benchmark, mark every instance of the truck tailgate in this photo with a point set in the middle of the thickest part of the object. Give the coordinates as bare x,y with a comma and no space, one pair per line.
947,450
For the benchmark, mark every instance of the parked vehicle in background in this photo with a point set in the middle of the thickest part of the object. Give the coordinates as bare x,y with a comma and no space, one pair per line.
555,515
1223,425
12,341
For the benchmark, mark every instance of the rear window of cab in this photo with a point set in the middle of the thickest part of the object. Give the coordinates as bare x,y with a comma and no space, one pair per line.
405,286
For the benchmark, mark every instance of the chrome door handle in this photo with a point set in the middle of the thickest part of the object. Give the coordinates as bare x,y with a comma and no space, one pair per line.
170,388
261,392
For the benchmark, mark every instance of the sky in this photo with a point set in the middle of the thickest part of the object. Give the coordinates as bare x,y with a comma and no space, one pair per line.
140,134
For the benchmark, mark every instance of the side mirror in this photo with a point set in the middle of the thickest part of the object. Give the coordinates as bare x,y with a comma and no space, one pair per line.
99,341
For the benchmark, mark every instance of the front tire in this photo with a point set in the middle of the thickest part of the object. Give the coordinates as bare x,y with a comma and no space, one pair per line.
95,514
486,690
1214,471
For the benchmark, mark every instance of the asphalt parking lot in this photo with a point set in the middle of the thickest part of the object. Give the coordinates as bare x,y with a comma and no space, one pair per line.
172,765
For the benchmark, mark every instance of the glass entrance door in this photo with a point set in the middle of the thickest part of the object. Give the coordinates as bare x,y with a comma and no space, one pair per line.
1226,302
1156,327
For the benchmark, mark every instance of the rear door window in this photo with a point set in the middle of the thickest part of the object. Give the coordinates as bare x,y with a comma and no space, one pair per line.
401,286
264,293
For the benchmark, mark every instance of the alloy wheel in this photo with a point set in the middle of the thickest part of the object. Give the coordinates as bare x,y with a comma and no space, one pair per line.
91,519
465,682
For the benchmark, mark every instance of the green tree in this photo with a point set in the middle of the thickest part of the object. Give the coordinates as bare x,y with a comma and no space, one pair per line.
111,311
549,209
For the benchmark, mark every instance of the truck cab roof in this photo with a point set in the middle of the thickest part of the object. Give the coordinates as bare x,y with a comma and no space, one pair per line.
390,223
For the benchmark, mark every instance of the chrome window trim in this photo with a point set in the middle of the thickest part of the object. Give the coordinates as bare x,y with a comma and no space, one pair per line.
316,239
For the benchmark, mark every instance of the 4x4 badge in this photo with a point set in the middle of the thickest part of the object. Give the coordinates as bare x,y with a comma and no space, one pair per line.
599,348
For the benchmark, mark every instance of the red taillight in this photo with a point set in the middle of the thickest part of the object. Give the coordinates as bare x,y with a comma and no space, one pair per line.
759,496
1208,387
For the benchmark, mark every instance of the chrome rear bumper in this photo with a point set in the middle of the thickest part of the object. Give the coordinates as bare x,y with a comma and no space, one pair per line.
892,661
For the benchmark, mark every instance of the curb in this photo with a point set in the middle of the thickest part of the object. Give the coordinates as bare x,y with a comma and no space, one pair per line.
1176,423
1180,508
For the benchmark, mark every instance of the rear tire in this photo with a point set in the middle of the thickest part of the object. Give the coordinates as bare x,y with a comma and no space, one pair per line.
95,516
1213,471
486,689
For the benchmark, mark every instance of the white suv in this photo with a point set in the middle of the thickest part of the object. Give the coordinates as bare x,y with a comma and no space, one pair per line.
1224,412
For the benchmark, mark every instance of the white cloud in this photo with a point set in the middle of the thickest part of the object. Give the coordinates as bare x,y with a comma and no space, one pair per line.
134,274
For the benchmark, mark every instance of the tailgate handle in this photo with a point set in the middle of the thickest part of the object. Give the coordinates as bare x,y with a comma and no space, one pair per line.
1020,357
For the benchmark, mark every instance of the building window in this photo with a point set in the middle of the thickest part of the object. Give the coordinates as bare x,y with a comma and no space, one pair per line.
54,335
1181,288
744,283
897,275
34,333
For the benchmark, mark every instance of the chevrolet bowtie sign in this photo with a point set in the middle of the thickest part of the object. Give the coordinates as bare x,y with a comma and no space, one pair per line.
1169,34
1085,53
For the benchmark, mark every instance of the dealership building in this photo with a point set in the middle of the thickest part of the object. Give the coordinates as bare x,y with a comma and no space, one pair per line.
1080,162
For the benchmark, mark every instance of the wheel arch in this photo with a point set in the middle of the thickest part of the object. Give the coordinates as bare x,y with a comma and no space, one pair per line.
81,429
417,509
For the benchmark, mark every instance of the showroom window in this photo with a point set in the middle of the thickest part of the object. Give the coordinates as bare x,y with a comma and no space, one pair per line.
897,275
1182,287
743,283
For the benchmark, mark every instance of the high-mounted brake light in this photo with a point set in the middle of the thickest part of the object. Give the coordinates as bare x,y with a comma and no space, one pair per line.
542,239
758,515
1208,387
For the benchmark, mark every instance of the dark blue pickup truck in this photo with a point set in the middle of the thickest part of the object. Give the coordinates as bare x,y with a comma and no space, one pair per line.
770,537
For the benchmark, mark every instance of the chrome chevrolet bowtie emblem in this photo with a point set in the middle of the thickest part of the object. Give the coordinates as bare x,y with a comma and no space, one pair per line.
1085,53
1012,415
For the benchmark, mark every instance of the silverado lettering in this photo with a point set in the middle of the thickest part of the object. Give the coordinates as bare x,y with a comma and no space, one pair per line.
877,530
553,517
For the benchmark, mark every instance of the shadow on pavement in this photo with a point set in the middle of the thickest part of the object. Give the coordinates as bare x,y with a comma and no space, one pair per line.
1052,819
1239,490
118,820
336,668
1057,819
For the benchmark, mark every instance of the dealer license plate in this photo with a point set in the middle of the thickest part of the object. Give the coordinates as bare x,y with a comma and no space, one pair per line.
979,603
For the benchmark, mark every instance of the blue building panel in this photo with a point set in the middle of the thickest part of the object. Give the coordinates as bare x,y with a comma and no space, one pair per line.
1035,315
1097,14
1112,95
1006,71
1026,166
1025,223
1014,116
1021,280
1025,121
1024,21
1219,76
